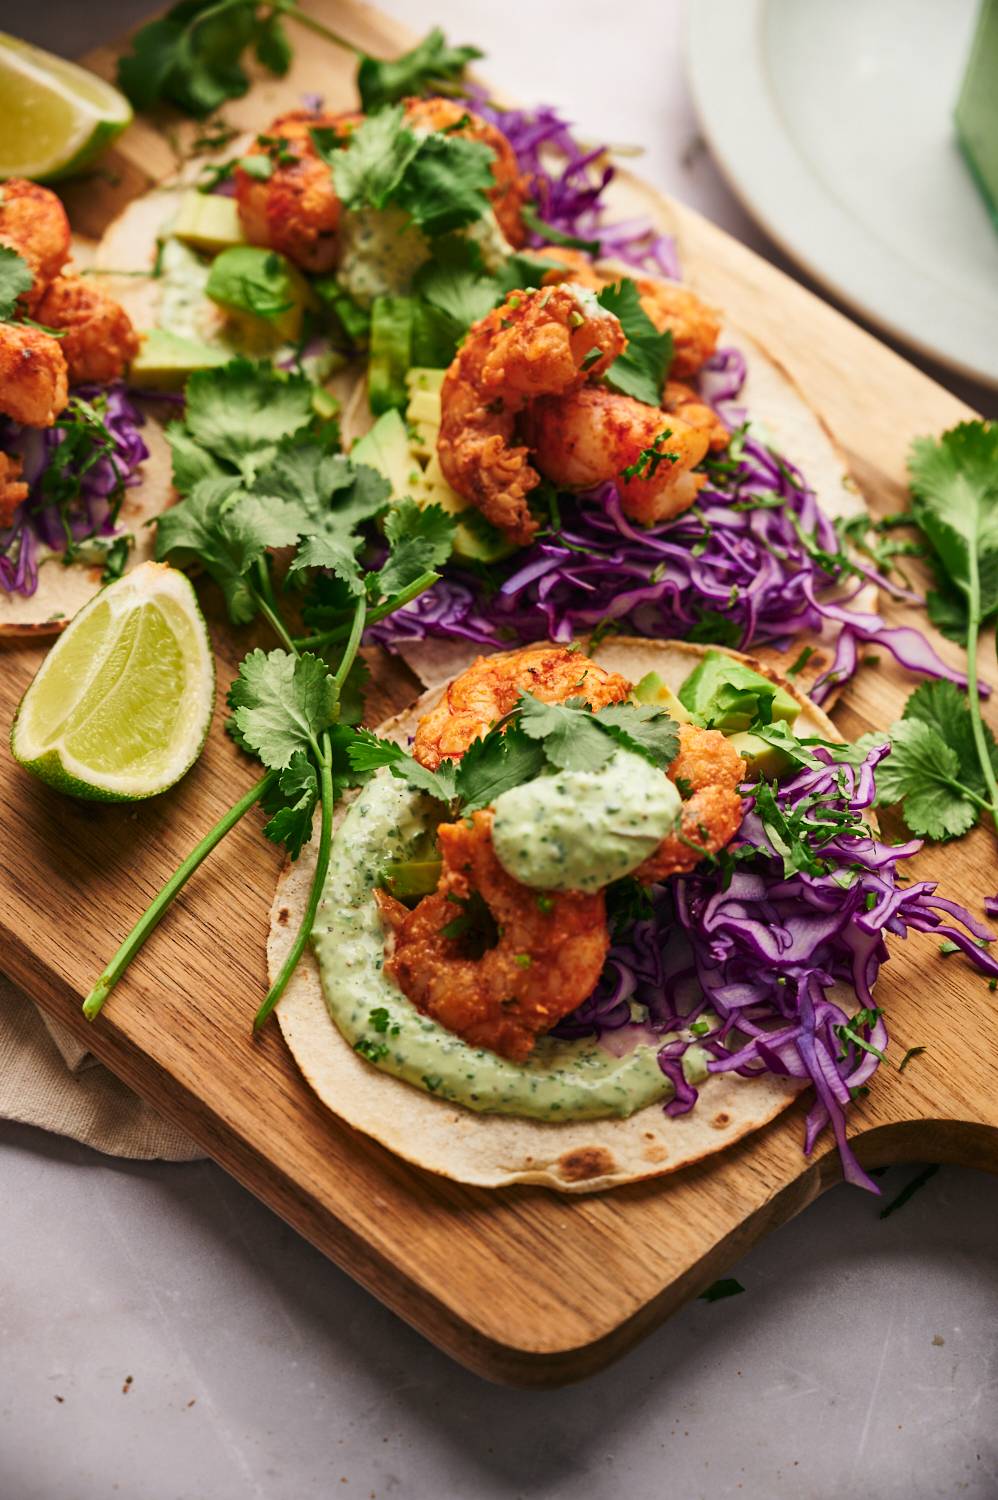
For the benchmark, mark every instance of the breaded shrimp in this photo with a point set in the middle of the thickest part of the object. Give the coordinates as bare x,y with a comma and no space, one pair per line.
34,385
295,210
33,222
543,960
693,324
487,690
538,343
511,189
99,339
683,401
594,435
707,771
13,489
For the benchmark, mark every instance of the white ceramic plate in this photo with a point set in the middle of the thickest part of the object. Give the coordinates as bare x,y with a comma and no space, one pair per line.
832,120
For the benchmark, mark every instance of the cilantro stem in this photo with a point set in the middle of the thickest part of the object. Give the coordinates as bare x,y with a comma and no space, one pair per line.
268,608
352,646
304,932
973,693
157,908
288,8
378,612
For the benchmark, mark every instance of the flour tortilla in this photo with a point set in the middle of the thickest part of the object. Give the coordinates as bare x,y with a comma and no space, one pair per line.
499,1150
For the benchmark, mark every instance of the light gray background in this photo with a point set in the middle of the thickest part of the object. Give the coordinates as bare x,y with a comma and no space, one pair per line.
164,1337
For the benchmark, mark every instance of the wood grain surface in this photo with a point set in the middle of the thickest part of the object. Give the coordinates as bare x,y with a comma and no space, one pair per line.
520,1285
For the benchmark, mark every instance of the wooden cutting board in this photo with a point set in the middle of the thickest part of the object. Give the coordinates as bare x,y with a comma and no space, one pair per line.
522,1285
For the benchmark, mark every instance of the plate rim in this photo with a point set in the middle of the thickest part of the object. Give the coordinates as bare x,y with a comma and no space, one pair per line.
739,24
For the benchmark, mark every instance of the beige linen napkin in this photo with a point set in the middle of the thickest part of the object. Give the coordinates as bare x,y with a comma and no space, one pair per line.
49,1079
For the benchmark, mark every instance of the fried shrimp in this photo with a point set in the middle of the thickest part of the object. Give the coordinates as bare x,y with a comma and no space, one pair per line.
13,489
682,401
34,384
693,324
593,435
99,340
33,222
538,343
511,186
504,980
707,771
490,687
295,210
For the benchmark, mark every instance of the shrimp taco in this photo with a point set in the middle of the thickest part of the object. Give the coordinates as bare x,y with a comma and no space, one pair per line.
82,469
559,942
610,451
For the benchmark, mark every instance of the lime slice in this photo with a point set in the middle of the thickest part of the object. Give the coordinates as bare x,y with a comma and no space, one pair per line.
120,707
56,116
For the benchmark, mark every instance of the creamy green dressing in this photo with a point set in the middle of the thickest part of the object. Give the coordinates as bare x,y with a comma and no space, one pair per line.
561,1080
580,830
381,250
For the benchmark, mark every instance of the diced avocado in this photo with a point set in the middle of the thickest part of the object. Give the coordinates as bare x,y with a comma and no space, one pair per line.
325,404
354,320
261,285
386,448
408,879
424,406
652,690
390,354
760,757
722,693
208,222
165,359
419,378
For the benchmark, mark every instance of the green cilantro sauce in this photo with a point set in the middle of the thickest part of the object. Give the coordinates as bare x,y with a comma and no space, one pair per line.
580,830
381,250
561,1081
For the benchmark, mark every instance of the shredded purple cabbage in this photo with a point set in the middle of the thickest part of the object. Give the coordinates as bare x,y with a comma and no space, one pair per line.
568,182
762,949
39,521
754,562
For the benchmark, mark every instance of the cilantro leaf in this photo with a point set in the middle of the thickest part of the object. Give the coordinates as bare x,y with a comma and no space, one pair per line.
455,284
573,740
420,538
430,63
922,773
945,709
369,168
642,369
241,411
442,181
291,802
447,183
281,704
191,462
332,496
645,730
367,752
954,485
192,55
490,766
16,277
225,529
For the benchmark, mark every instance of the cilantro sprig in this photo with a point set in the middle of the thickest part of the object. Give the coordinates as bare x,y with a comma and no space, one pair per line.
643,368
944,768
194,56
259,475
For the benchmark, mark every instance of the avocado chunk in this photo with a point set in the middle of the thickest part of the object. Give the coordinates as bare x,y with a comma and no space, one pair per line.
760,757
409,879
262,286
722,693
166,359
208,222
652,690
386,448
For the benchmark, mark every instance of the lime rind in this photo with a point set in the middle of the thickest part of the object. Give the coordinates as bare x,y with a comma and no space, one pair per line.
121,706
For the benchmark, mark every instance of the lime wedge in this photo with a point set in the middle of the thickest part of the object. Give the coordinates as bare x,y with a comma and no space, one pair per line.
120,707
56,116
